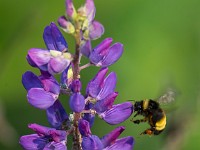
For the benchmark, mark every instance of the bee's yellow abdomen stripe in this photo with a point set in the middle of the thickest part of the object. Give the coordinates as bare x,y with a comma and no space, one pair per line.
145,104
160,125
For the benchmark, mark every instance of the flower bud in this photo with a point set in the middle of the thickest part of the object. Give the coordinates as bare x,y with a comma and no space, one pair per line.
77,102
76,86
66,25
84,127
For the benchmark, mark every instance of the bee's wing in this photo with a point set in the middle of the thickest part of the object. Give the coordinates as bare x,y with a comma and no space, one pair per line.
167,100
168,97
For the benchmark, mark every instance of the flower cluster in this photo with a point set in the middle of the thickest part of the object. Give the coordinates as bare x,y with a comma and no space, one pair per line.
43,91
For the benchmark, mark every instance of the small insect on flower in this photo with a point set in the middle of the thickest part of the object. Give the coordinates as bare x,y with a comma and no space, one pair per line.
153,113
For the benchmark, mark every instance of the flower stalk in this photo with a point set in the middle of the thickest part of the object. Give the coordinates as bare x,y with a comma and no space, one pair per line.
43,91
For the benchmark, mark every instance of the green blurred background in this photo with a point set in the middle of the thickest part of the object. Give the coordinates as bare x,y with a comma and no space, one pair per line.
162,49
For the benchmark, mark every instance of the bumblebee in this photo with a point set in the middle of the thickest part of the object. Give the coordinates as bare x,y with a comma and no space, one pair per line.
153,113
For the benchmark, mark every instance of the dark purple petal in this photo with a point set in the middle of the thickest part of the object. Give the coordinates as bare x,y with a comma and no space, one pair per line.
77,102
70,10
30,80
88,116
76,86
96,30
126,143
118,113
32,141
109,85
39,57
92,143
95,85
54,39
86,48
40,130
111,137
58,65
50,84
40,98
56,115
114,53
84,127
100,51
106,103
55,146
55,135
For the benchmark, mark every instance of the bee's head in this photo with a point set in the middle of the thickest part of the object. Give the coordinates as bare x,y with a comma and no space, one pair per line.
138,106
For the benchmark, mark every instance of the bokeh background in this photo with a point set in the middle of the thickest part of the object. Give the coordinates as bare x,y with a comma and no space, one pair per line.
162,49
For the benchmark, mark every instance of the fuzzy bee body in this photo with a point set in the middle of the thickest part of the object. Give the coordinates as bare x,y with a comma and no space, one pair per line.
152,113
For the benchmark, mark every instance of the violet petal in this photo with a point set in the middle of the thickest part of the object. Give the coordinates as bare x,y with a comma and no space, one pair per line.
55,146
77,102
40,98
111,137
58,65
100,51
90,10
32,141
76,86
86,48
54,39
106,103
118,113
96,30
50,84
70,10
56,135
126,143
95,85
108,86
84,127
114,53
40,57
56,115
30,80
92,142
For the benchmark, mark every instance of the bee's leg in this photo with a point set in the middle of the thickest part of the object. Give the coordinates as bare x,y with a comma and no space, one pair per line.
136,114
148,131
139,120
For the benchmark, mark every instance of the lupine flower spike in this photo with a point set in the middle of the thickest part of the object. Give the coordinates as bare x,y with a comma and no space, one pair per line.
98,100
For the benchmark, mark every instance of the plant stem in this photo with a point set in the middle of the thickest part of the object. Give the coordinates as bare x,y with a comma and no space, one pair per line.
77,140
85,66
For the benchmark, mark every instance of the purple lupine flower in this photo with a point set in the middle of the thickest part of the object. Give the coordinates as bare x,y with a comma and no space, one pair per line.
90,28
118,113
102,90
104,54
89,141
55,59
107,142
70,10
110,141
77,100
43,91
56,115
126,143
45,138
100,86
66,25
